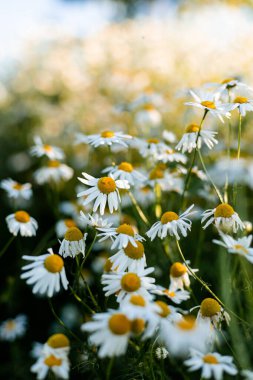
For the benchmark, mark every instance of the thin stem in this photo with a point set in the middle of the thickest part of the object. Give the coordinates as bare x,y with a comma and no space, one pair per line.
138,209
109,369
80,300
88,252
62,323
187,180
209,177
7,245
239,136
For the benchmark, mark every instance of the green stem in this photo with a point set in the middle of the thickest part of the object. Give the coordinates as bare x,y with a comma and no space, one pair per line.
239,136
109,369
81,301
7,245
138,209
209,177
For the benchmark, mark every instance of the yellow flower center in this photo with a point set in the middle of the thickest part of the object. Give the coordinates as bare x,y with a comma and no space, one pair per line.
165,310
126,167
168,217
138,326
153,141
134,253
177,269
241,248
208,104
156,173
108,266
209,307
17,186
137,300
22,216
119,324
192,128
10,325
73,234
58,341
107,134
240,100
188,322
145,189
227,80
54,263
106,185
69,223
52,361
168,293
130,282
224,210
210,359
47,148
53,164
125,229
148,107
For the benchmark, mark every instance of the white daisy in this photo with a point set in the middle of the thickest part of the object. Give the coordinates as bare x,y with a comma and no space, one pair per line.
16,190
169,155
224,217
209,102
213,313
125,171
243,103
102,190
211,364
63,225
151,147
229,85
73,243
45,273
57,344
131,257
177,295
179,276
106,138
144,195
40,149
120,236
54,172
60,366
21,222
240,246
124,284
95,220
13,328
148,116
172,224
189,140
110,331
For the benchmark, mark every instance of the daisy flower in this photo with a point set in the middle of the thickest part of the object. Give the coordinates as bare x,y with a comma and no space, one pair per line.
40,149
209,102
179,276
224,217
63,225
151,147
184,334
240,246
73,243
144,196
121,236
55,172
172,224
131,257
211,364
106,138
60,366
177,295
110,331
95,220
212,312
17,190
169,155
124,284
21,222
102,190
125,171
148,116
13,328
228,85
45,273
189,140
242,102
57,344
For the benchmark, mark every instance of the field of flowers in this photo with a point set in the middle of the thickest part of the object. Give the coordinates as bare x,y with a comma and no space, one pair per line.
126,183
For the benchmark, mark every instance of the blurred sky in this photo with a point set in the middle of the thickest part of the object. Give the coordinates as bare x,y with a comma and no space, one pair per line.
23,19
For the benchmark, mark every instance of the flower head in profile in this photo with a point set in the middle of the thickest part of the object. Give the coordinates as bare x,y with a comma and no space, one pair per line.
13,328
50,151
102,191
58,365
240,246
179,276
194,137
243,101
57,344
73,243
121,236
63,225
21,222
54,172
46,273
125,171
224,218
178,295
131,257
105,138
212,312
171,224
212,364
16,190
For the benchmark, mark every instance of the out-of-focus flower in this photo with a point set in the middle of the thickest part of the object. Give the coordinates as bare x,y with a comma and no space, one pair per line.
223,217
45,273
107,138
73,243
60,366
177,295
63,225
13,328
21,222
240,246
125,171
40,149
212,312
54,172
16,190
189,140
179,276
